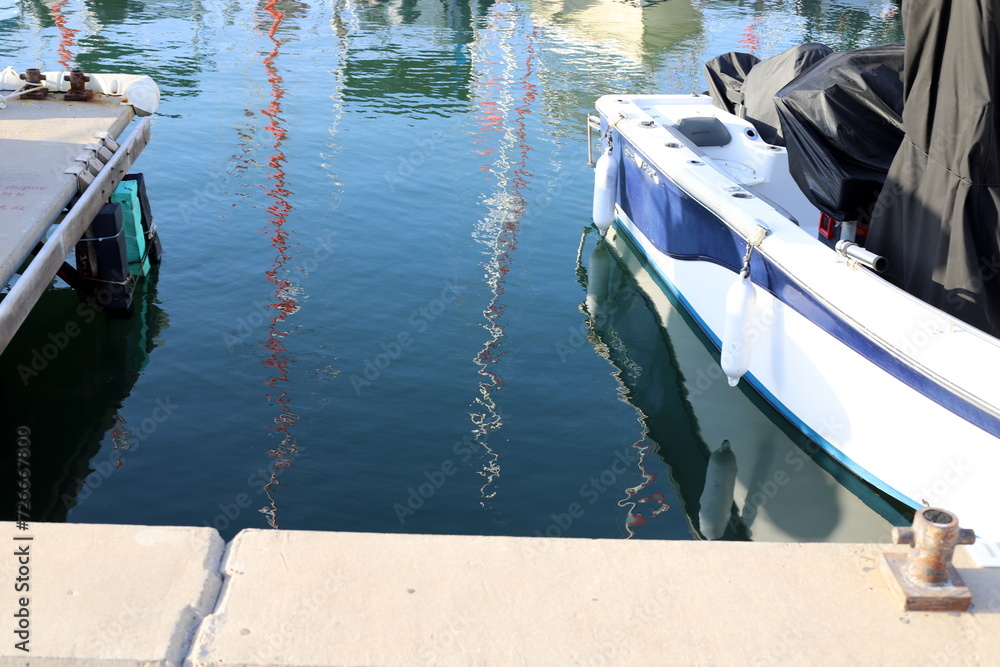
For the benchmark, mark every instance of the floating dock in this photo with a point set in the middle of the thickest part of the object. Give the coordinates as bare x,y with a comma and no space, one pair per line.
61,157
141,595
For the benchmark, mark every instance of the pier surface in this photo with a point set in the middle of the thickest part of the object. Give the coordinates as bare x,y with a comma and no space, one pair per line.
39,140
139,595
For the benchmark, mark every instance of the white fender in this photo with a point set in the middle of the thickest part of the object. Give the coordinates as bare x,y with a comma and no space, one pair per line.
142,93
717,497
605,190
9,79
738,333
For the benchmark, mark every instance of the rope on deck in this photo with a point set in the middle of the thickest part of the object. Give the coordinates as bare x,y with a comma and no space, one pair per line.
18,93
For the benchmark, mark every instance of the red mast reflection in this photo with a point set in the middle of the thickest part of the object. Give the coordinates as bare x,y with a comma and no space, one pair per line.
750,40
67,35
657,502
284,303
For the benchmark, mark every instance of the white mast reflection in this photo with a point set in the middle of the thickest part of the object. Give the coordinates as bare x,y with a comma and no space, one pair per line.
505,100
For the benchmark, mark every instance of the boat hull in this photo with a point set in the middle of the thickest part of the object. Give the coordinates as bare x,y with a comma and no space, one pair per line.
773,485
879,413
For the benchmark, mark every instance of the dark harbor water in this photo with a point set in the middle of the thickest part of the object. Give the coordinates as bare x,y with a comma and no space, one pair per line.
373,312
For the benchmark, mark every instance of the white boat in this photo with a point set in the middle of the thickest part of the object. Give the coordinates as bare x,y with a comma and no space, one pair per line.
897,390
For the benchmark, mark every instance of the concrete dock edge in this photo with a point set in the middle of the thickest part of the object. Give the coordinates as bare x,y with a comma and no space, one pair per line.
136,595
117,595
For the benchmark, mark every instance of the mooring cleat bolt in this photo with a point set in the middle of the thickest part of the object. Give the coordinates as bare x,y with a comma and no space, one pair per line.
925,577
33,78
78,91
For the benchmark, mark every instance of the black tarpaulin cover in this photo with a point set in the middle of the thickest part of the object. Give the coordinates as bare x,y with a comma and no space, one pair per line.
936,219
842,125
725,75
769,76
742,84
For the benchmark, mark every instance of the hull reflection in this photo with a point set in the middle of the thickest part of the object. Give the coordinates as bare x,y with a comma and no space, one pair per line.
740,471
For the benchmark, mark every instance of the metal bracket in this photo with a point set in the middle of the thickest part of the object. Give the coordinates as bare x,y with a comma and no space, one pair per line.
100,151
92,160
83,177
108,142
14,308
924,579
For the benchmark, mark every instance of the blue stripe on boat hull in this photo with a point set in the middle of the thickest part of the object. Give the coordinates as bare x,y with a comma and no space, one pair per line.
682,228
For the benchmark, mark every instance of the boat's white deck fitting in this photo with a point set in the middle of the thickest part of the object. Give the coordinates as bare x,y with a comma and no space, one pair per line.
735,147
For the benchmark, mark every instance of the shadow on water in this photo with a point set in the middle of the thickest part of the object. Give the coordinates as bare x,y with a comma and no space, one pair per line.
66,373
739,469
625,331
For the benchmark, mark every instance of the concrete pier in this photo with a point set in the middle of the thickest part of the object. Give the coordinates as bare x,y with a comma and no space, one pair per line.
137,595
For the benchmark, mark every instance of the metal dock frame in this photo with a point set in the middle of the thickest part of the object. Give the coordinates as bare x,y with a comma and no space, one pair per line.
29,287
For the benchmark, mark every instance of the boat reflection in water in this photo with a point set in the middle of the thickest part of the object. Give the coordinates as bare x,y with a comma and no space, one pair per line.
635,31
68,423
739,470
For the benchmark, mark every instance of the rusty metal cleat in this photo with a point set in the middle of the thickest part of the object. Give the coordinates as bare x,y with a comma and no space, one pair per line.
77,92
925,578
32,79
